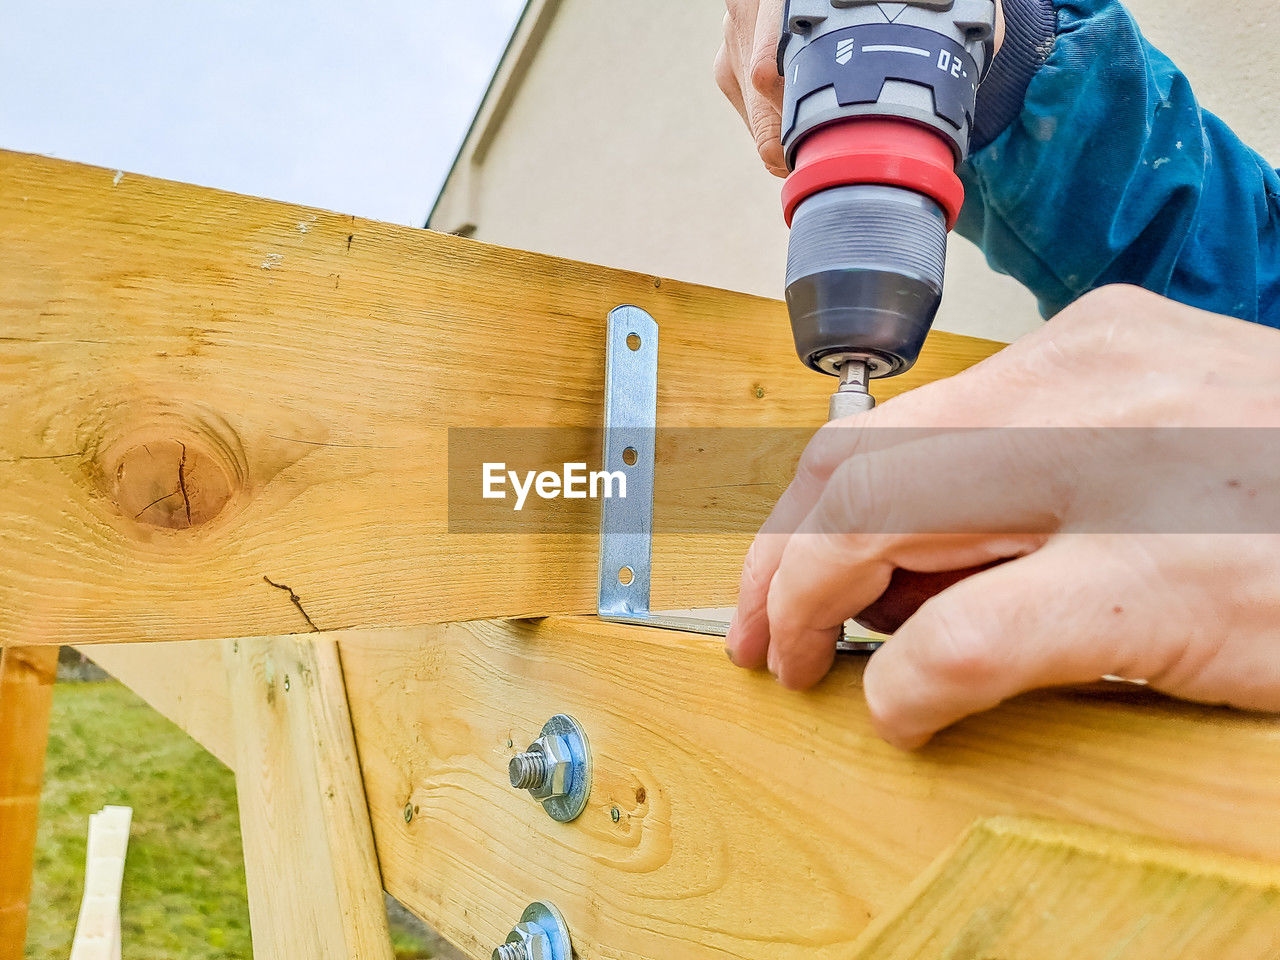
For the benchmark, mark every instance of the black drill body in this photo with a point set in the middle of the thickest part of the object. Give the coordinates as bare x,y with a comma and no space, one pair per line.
870,203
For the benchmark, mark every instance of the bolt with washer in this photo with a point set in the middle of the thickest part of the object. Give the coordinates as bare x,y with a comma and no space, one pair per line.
556,769
541,934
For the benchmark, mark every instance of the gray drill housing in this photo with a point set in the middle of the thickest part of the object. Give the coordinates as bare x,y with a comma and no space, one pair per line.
866,262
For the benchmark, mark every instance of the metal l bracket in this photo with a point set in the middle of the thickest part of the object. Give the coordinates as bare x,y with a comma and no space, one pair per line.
626,523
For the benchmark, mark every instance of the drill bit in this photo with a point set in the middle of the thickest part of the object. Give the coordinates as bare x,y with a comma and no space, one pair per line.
852,397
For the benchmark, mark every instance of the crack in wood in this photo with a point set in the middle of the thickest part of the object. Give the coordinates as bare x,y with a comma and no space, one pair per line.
139,514
293,597
52,456
182,481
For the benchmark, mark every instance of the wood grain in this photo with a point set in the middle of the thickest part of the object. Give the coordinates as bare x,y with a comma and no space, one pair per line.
312,874
729,817
222,416
185,681
752,822
1033,890
27,675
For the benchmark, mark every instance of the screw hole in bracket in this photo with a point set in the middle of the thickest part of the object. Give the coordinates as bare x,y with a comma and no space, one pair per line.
626,524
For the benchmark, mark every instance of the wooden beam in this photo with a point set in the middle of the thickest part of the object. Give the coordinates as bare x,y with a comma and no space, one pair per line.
730,817
183,680
314,886
751,822
27,675
222,416
1015,888
98,927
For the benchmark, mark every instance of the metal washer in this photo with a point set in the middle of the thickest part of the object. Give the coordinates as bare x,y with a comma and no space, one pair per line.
571,805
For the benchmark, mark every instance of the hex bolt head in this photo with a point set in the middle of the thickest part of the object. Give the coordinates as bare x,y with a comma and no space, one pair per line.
557,766
541,934
556,769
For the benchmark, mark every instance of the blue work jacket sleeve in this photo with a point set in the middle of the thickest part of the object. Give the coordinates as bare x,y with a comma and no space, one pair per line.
1112,173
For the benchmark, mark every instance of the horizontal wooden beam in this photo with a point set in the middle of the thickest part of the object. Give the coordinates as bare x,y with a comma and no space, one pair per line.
222,416
728,816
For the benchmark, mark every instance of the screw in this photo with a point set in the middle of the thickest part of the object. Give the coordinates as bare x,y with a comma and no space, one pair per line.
511,951
529,770
408,813
615,814
759,393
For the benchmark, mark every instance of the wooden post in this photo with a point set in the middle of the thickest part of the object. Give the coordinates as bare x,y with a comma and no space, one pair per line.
314,885
26,695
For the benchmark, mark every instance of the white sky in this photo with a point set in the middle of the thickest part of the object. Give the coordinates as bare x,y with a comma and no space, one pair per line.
352,105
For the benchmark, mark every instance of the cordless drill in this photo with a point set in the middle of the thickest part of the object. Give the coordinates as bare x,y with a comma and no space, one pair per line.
877,115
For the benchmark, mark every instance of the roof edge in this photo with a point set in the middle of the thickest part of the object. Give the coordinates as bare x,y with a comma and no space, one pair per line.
535,19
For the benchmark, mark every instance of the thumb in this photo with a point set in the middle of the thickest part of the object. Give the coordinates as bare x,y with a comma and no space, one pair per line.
1066,614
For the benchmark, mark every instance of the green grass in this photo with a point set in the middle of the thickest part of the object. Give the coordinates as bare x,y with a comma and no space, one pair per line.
184,888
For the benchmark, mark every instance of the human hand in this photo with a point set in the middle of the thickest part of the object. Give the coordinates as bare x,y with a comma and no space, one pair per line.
746,70
1138,543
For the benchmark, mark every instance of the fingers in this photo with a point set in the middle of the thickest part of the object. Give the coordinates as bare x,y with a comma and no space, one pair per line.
881,511
1062,615
974,398
726,72
766,87
907,592
746,72
813,567
961,401
904,418
748,638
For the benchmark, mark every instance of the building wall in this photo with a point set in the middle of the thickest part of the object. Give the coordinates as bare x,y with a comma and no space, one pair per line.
616,147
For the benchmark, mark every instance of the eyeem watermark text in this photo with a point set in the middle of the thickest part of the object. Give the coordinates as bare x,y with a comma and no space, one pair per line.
574,482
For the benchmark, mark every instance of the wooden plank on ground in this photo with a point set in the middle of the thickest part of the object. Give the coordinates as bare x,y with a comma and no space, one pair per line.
98,927
730,817
27,675
312,874
1035,890
222,416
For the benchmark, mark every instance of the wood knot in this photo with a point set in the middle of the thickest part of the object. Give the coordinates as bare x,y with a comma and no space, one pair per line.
171,484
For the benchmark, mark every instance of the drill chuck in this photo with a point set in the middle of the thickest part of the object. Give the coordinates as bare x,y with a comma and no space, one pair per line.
877,112
864,276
